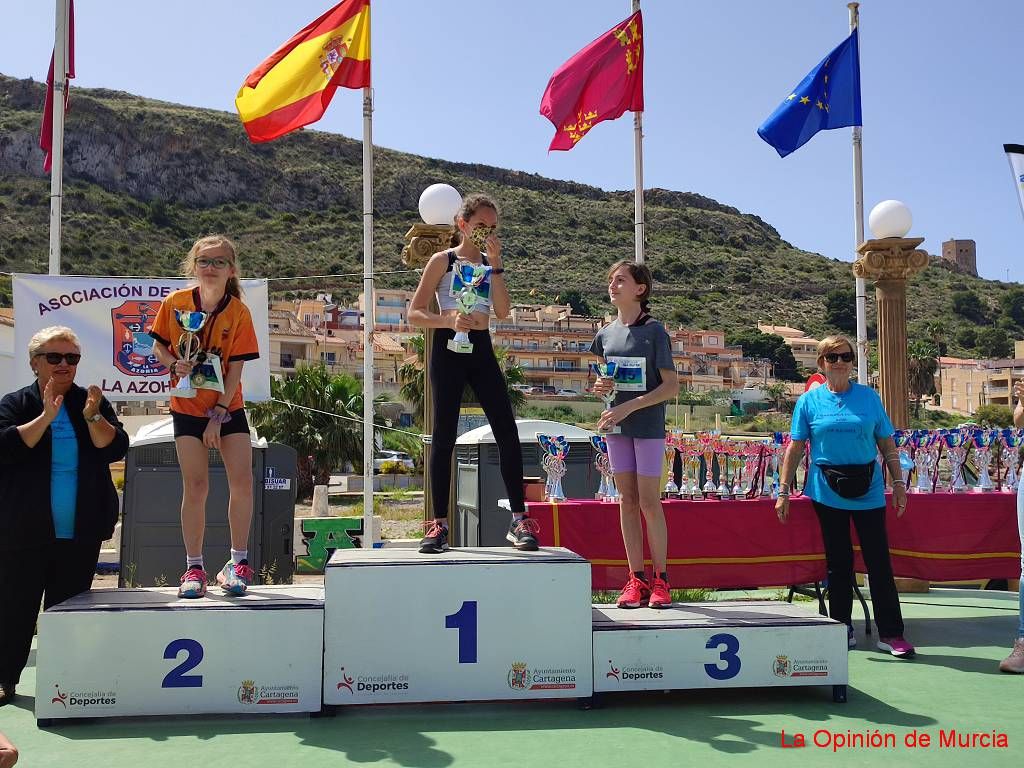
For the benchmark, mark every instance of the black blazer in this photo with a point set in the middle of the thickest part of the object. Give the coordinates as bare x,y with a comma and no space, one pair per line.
26,520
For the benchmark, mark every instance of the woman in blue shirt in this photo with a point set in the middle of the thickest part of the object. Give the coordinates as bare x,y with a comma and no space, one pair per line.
1015,661
57,499
847,427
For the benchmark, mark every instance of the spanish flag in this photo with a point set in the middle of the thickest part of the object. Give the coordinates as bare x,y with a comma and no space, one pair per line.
293,87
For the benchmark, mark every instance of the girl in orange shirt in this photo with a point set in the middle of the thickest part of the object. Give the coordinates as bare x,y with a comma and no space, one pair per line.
211,419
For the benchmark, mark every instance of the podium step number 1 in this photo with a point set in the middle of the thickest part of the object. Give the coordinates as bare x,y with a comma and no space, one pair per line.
471,624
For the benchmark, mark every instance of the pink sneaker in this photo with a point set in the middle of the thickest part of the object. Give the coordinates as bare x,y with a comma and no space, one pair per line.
660,598
896,646
193,583
634,594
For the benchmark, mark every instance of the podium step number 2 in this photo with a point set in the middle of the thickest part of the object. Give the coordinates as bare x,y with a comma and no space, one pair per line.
145,652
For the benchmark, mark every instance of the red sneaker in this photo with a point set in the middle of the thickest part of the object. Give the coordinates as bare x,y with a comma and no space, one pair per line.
634,594
660,598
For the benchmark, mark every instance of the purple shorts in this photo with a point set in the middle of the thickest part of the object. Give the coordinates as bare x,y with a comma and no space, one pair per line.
642,455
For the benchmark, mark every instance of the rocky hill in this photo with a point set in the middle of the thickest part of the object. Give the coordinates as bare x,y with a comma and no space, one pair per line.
143,178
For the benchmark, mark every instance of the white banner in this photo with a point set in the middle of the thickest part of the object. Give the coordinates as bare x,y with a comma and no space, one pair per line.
112,317
1015,154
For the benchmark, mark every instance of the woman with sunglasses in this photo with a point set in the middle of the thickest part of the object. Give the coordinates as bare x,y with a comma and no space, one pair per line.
211,419
848,427
1014,663
57,499
476,225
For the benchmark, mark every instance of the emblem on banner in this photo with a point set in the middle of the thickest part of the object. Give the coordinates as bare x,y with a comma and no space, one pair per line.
247,692
131,342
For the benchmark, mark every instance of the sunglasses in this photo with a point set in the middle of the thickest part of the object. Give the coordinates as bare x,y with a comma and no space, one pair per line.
218,263
54,358
835,357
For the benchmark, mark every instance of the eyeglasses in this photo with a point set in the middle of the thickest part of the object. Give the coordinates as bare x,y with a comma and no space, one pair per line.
218,263
835,357
54,358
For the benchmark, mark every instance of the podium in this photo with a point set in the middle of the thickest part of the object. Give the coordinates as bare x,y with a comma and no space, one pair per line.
396,626
117,652
467,625
718,645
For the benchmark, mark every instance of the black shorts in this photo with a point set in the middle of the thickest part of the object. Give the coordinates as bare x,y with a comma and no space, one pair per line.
194,426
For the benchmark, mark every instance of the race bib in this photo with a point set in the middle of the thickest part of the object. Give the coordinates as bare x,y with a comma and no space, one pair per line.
630,373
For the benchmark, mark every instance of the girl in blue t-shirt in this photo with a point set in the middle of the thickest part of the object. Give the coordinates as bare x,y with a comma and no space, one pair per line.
847,427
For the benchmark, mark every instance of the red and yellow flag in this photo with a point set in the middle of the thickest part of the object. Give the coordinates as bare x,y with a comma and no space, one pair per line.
599,83
293,87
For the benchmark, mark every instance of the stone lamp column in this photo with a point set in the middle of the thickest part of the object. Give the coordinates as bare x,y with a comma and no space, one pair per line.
422,242
890,262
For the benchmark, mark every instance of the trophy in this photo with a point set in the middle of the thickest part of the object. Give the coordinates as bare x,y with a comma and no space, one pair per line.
190,350
607,490
956,441
555,450
902,439
706,450
607,371
671,489
777,449
1011,440
923,442
751,457
982,440
722,449
471,276
689,452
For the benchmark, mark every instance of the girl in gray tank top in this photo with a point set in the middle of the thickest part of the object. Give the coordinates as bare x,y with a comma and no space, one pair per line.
454,366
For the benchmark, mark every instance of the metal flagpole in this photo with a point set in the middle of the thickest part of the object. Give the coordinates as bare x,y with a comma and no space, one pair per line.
638,165
60,60
368,319
858,229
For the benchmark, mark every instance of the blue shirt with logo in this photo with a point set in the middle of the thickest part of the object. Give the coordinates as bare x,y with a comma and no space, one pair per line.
63,475
842,429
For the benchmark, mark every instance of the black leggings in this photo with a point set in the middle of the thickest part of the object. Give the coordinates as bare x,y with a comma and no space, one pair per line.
449,374
50,573
874,548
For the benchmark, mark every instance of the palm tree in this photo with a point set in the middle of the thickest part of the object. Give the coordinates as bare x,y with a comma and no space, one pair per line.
411,376
326,436
922,362
938,333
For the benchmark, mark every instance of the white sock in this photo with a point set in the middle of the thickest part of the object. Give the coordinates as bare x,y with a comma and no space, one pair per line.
238,555
194,562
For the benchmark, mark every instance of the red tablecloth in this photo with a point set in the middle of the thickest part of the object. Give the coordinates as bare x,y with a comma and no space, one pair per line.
941,537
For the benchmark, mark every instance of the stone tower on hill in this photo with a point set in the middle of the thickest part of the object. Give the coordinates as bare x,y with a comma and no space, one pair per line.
963,253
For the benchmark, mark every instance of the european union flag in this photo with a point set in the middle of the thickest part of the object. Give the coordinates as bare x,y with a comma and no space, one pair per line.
829,97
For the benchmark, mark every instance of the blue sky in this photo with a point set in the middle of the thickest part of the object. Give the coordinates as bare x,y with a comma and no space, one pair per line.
463,82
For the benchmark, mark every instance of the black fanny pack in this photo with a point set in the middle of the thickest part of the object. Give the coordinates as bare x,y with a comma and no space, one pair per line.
851,481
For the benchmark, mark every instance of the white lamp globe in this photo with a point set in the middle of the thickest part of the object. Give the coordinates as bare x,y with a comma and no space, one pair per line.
890,218
439,203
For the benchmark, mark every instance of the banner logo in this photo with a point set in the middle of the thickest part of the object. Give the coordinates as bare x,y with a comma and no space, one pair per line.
132,344
346,681
60,698
247,692
519,676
